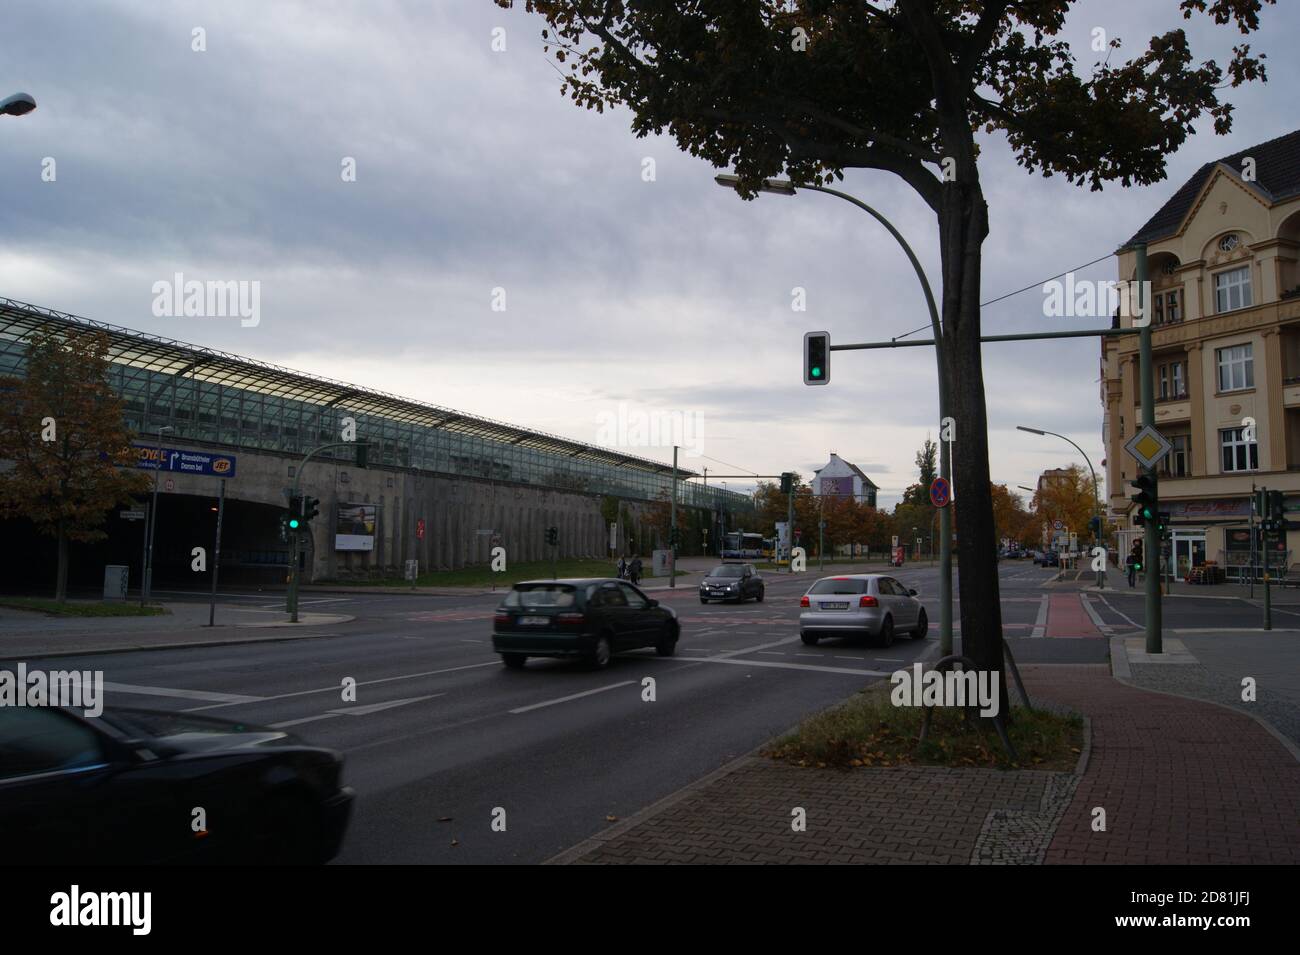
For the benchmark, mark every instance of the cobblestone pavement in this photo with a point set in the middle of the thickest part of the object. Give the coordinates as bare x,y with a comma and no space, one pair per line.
1181,782
903,815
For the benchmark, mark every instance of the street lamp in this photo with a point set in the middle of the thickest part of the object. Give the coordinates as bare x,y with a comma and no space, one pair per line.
1096,494
785,187
146,579
20,104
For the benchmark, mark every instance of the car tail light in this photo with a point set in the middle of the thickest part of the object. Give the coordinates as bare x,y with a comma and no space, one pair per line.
803,602
501,618
868,602
570,618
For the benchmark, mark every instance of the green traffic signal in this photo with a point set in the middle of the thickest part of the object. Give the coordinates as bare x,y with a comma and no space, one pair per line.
817,371
294,523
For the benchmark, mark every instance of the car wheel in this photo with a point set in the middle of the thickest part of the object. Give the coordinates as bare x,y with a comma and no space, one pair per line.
886,638
760,596
514,661
601,653
667,644
809,639
703,601
922,625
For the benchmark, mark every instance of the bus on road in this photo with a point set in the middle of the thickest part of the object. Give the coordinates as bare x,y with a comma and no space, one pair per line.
742,545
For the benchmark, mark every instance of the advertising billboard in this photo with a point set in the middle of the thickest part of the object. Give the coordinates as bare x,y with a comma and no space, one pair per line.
355,529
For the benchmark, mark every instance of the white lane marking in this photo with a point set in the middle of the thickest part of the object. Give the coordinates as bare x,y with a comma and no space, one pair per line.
1096,618
285,724
575,696
335,688
889,659
1040,622
774,653
1231,630
1131,622
380,707
225,699
853,671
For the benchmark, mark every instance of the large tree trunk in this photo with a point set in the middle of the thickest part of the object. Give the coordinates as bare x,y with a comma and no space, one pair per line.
61,575
963,225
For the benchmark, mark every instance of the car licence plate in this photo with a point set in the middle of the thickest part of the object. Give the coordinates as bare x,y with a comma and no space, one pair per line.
835,606
534,621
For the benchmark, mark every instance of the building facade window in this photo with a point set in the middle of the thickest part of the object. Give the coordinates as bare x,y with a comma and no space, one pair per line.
1232,290
1178,462
1238,453
1168,308
1236,367
1171,381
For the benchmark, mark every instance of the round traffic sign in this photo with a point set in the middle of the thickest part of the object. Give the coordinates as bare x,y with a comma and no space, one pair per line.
1057,525
940,492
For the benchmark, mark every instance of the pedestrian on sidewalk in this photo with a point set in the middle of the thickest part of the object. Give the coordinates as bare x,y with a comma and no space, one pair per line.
622,567
635,570
1133,561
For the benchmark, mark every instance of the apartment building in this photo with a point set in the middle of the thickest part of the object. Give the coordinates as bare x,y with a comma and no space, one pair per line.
1224,264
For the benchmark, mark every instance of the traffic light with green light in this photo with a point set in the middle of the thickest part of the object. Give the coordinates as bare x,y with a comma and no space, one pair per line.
1145,499
294,520
816,358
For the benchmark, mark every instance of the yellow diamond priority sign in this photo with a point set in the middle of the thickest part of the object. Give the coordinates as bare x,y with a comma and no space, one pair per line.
1148,446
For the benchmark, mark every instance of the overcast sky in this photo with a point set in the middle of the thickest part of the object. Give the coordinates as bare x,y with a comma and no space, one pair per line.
662,298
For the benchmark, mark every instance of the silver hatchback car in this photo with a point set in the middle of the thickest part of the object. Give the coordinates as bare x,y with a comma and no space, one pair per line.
864,605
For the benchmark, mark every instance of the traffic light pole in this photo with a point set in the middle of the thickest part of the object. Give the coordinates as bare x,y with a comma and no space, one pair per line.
1263,539
1151,530
672,529
291,602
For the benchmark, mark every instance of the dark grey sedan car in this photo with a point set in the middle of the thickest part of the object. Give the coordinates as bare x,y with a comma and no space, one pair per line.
736,582
586,619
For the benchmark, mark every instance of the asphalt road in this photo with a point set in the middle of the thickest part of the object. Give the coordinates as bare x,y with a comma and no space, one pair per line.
441,734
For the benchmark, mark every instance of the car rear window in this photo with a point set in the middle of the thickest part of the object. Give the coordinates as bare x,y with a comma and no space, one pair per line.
833,586
540,596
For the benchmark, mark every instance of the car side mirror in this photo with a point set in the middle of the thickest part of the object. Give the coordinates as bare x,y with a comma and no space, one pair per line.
654,603
911,593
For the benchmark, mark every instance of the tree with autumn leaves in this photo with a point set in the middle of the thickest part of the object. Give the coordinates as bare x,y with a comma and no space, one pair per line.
65,449
809,88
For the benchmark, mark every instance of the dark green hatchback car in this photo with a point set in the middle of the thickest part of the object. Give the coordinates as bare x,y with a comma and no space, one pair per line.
587,619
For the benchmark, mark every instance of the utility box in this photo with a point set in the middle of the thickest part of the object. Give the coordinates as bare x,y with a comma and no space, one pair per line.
116,579
659,563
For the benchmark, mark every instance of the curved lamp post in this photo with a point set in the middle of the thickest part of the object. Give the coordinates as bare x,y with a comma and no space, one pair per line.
1096,493
784,187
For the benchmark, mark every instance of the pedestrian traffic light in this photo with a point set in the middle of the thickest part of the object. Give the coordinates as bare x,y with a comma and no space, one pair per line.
1276,508
1145,498
310,508
294,517
816,358
1162,522
787,482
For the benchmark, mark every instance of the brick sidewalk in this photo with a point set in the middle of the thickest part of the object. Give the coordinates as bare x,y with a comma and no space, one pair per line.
1181,781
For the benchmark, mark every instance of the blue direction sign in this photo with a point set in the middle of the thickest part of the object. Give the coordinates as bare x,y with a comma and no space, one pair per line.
185,462
940,492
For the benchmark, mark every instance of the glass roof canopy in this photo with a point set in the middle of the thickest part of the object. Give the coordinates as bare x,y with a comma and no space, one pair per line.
172,357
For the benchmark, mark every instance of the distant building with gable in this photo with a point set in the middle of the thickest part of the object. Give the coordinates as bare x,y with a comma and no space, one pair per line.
839,478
